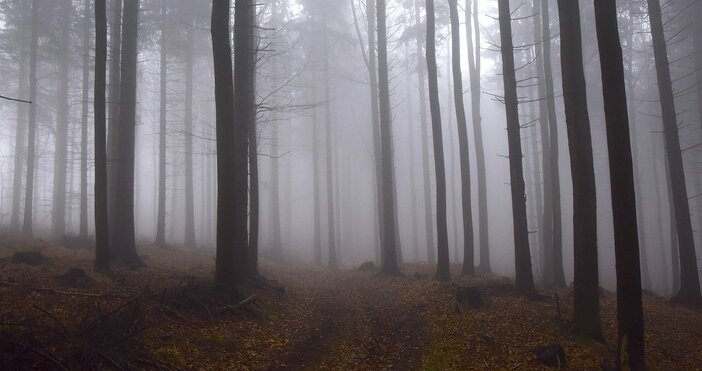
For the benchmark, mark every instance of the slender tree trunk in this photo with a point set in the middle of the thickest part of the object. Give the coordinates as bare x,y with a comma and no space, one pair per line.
58,212
631,86
316,186
20,132
113,116
442,271
102,250
228,240
389,261
328,160
245,118
689,279
31,132
125,240
557,243
190,240
412,162
277,247
586,297
524,280
547,219
254,200
452,198
161,208
468,263
424,126
83,229
630,339
475,87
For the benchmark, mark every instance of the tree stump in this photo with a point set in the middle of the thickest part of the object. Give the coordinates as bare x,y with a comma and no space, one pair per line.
469,295
551,356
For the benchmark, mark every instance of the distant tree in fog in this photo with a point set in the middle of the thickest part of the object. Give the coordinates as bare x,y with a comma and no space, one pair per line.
102,249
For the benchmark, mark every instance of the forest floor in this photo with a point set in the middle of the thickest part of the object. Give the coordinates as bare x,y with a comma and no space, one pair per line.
166,315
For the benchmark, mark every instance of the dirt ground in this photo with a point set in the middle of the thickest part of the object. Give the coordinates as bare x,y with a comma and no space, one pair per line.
167,315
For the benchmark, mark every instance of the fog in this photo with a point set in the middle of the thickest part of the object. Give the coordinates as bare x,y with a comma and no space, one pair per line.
309,59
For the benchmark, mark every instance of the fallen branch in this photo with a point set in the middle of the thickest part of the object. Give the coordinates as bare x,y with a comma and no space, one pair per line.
39,352
65,330
53,290
244,302
109,313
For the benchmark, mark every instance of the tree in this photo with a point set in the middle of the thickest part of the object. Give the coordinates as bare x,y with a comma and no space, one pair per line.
62,116
245,119
124,248
115,60
586,297
424,127
84,125
32,124
389,261
630,339
524,280
468,264
20,133
442,271
475,88
163,94
102,249
689,292
190,240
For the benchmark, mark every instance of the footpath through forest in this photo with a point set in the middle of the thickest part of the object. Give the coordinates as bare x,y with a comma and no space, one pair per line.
166,316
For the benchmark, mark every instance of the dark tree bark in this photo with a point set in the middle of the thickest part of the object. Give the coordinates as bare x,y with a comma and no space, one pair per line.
556,255
190,240
20,133
389,261
32,125
424,129
245,118
630,339
689,292
58,212
254,200
83,229
475,87
442,271
163,94
102,250
468,263
115,60
586,297
125,242
228,240
524,280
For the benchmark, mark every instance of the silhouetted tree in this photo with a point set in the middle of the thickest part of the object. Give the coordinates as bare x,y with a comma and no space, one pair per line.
586,297
468,264
524,280
163,95
32,125
689,292
102,249
630,339
83,229
442,271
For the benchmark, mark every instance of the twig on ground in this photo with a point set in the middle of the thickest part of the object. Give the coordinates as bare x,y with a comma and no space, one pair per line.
65,330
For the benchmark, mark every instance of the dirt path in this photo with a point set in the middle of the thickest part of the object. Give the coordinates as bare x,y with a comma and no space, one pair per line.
360,321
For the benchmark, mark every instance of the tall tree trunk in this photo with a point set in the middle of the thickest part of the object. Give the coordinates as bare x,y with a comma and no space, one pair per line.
442,271
113,116
524,280
412,163
586,297
468,264
228,240
375,119
389,261
161,208
475,88
245,118
316,186
557,243
83,229
424,126
547,219
331,235
125,240
190,240
631,86
689,279
452,198
102,250
254,200
32,125
20,132
630,339
277,247
58,212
